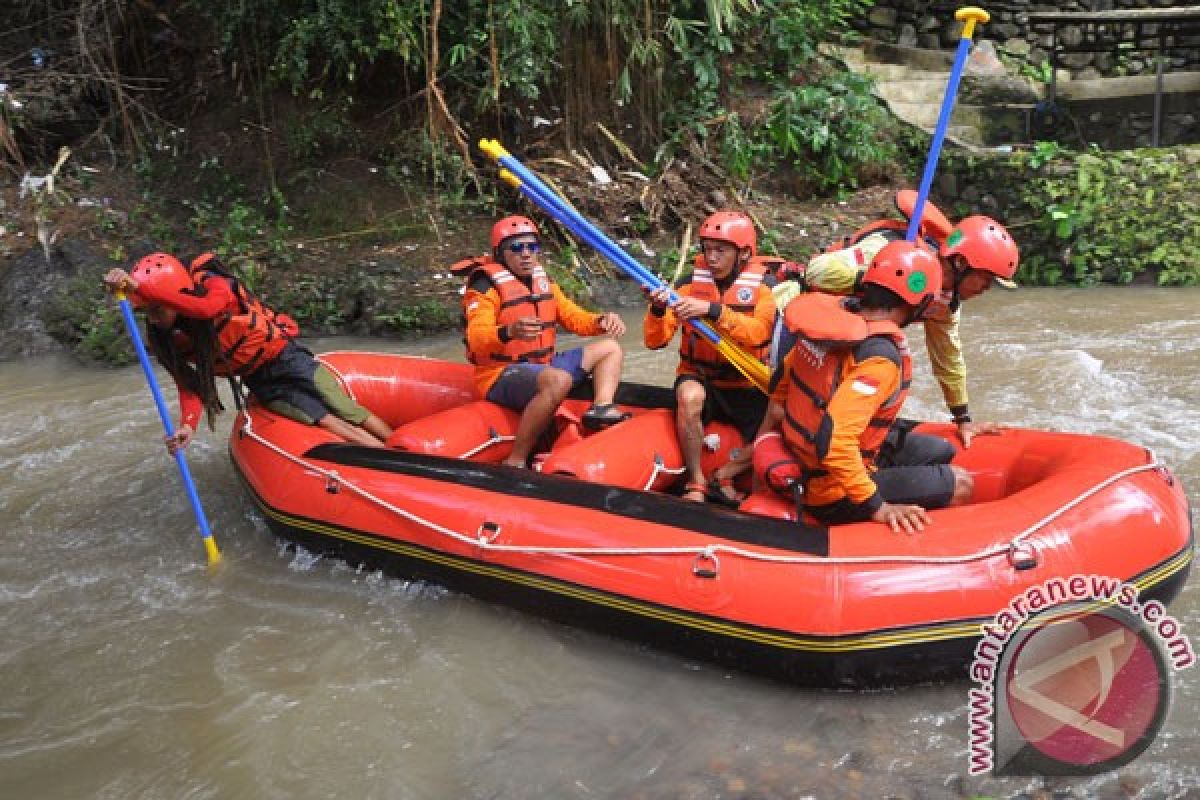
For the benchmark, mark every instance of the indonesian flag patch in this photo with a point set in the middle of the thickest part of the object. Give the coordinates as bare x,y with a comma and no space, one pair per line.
866,386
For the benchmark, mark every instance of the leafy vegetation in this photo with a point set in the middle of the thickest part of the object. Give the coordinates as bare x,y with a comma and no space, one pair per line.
665,74
1073,230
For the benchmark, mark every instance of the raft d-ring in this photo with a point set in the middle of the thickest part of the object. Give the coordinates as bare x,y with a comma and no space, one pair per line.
1023,556
709,558
333,483
487,532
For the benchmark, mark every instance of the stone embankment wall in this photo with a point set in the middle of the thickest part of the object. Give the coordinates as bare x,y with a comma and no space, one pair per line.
1098,115
931,25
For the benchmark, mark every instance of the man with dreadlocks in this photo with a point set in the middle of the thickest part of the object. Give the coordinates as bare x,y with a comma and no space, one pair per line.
199,330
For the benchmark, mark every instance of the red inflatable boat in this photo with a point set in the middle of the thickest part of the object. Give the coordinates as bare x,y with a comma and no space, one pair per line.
596,538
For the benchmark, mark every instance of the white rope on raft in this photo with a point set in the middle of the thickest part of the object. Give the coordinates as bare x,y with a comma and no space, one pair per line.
486,542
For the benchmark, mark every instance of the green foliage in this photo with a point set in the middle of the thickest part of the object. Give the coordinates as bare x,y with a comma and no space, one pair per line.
83,317
673,65
1043,152
830,131
1100,217
421,316
562,264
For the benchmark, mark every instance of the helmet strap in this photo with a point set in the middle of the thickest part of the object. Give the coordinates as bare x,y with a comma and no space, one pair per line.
918,312
960,274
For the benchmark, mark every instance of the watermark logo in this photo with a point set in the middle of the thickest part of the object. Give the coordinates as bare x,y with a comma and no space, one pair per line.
1073,678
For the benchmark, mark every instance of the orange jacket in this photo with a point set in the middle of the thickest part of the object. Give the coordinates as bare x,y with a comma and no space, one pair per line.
517,300
207,271
245,342
488,312
843,385
747,314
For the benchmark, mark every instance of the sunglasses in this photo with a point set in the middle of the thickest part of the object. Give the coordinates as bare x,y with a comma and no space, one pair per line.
521,247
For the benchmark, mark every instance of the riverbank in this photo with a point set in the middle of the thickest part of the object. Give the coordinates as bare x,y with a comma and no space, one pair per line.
359,252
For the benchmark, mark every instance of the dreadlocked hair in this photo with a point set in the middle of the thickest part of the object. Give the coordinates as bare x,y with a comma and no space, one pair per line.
194,371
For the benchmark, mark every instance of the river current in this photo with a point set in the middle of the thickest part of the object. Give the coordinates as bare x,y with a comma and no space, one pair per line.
129,671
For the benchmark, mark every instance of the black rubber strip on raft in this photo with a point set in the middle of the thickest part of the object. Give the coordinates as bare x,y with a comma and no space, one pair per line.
649,506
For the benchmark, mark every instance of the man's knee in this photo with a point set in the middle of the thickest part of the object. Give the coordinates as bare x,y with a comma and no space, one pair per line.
598,350
964,486
555,382
689,398
605,347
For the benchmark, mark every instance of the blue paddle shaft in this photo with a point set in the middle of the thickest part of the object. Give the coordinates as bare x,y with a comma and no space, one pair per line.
546,199
939,135
165,416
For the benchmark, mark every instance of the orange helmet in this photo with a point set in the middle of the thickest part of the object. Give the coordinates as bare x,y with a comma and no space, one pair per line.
512,226
159,278
907,269
733,227
985,245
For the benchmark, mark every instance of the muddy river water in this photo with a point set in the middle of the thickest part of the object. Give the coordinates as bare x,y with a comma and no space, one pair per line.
128,671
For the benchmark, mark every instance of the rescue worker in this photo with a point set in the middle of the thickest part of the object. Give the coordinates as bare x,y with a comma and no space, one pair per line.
839,389
727,288
512,310
975,254
200,329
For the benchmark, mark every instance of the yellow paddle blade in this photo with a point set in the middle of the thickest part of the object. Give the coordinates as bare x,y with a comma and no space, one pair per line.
214,555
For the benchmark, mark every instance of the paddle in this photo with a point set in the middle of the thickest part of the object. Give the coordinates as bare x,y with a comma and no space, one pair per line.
210,544
969,16
531,186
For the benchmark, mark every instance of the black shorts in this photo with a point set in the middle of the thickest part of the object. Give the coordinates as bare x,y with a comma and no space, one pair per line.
299,387
744,409
928,486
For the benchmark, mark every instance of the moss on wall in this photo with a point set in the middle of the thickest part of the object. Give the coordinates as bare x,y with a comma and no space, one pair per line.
1084,218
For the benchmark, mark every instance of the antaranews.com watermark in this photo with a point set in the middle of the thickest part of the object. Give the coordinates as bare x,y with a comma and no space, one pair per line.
1073,679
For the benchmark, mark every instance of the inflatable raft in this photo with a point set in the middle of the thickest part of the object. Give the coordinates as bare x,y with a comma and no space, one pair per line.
595,537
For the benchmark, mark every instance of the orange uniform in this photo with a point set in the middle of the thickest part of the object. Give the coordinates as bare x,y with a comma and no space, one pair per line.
840,394
484,307
746,315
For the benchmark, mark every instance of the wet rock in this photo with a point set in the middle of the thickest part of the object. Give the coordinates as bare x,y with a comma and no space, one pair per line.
883,17
996,90
28,283
1016,47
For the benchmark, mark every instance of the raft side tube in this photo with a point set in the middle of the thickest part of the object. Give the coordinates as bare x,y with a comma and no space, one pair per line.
479,431
399,389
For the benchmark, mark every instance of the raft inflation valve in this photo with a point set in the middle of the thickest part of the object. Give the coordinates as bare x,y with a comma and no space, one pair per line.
1022,556
706,565
332,483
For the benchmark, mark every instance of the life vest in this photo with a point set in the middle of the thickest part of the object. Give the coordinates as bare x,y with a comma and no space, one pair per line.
934,227
830,340
206,266
244,343
697,352
516,301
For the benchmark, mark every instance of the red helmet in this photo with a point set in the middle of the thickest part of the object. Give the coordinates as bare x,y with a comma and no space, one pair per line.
512,226
733,227
159,278
984,244
907,269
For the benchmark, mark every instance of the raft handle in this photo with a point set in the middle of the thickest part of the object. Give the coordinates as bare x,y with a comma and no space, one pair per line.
1022,556
487,532
707,557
